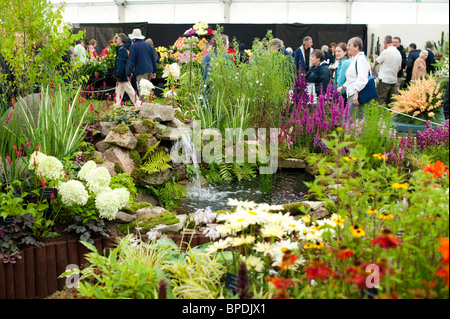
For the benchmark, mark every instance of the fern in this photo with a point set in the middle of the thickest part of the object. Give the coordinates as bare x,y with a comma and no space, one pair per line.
155,163
169,194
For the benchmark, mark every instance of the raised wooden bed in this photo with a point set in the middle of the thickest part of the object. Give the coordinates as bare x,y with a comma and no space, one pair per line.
36,274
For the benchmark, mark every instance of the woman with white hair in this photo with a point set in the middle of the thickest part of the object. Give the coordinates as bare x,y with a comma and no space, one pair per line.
420,66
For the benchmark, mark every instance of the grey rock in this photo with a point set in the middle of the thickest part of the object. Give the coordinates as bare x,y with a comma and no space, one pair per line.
173,228
155,179
173,134
291,163
106,126
149,142
314,205
143,197
121,157
157,112
109,166
150,212
123,218
102,146
319,213
139,128
126,140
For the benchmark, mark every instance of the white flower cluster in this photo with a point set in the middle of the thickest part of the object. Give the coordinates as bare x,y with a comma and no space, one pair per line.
73,193
109,202
145,87
172,69
98,180
48,167
205,216
272,223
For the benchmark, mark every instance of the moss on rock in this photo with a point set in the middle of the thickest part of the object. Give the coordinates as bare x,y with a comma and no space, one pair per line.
122,128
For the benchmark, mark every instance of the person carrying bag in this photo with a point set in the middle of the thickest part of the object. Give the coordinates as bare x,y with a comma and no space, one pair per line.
359,84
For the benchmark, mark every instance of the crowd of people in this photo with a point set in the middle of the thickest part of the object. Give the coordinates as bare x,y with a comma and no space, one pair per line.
344,65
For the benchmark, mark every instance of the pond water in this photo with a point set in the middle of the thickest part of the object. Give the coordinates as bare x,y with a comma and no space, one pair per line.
284,187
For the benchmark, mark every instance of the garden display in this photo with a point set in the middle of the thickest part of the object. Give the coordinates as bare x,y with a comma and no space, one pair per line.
104,188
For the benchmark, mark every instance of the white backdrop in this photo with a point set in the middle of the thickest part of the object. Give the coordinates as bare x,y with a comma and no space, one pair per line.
415,21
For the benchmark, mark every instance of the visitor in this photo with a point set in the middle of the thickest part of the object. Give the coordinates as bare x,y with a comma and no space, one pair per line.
92,51
325,49
277,46
123,83
333,53
319,73
150,41
420,66
141,60
290,51
243,56
219,41
397,42
341,55
302,54
431,60
357,76
79,52
105,50
412,56
231,50
390,61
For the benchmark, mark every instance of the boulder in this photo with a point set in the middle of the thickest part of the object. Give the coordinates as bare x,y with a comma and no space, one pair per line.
121,157
180,169
314,205
144,144
123,218
106,126
172,133
150,212
144,197
319,213
126,140
155,179
157,112
176,123
173,228
138,127
291,163
102,146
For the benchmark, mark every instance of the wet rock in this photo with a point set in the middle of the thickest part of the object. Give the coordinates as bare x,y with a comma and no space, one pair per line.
150,212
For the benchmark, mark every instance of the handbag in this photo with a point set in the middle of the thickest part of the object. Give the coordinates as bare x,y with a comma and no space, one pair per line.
370,90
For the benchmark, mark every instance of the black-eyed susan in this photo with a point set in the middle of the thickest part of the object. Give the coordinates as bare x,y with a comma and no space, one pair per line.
379,156
337,219
386,216
400,185
316,245
372,211
348,159
357,231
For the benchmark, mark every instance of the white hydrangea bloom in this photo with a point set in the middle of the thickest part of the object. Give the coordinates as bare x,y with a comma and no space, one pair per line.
85,169
107,204
123,196
73,193
51,168
98,179
35,159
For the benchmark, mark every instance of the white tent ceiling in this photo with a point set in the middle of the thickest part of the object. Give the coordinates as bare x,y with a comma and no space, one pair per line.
413,20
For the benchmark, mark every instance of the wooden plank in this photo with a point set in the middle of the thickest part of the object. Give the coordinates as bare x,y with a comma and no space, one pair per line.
40,263
52,276
30,276
62,261
9,273
72,252
19,279
2,280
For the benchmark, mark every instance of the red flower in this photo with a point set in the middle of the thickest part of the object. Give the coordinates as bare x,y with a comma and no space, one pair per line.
289,259
317,270
8,159
344,253
443,273
437,169
386,240
210,31
9,117
279,282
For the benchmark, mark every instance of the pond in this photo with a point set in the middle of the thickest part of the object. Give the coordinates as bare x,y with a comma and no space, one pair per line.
284,187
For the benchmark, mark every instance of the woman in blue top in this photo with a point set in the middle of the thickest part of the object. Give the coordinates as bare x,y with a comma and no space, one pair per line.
344,62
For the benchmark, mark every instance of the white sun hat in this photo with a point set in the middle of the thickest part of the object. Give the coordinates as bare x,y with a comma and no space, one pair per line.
137,34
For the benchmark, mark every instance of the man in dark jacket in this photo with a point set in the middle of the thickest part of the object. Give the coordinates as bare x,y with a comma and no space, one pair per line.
141,60
319,73
398,44
431,59
412,56
302,54
123,83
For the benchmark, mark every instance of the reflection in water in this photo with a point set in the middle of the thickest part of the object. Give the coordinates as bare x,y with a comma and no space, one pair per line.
282,188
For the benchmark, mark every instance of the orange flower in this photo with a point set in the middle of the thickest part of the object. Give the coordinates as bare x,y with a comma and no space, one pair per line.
317,270
443,273
437,169
289,259
444,249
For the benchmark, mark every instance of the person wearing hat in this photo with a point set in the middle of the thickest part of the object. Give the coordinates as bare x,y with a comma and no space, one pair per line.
141,60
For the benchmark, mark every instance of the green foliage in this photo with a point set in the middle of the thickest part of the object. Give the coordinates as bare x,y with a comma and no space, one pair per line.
166,218
148,123
155,162
122,128
136,157
228,172
169,194
124,180
88,229
34,41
